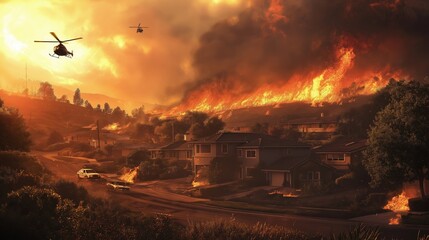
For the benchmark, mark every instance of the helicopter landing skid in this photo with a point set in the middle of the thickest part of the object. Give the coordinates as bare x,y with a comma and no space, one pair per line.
54,55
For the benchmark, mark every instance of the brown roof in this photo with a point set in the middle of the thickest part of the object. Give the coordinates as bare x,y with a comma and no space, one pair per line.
266,141
229,137
179,145
342,146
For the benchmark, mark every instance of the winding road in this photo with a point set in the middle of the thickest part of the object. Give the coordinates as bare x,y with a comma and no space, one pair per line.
144,199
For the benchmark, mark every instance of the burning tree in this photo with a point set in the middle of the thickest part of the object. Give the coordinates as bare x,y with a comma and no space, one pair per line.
398,141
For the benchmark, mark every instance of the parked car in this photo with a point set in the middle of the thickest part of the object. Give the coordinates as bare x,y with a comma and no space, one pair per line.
88,173
118,186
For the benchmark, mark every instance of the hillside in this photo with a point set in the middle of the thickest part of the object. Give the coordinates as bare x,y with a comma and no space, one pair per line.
43,117
276,114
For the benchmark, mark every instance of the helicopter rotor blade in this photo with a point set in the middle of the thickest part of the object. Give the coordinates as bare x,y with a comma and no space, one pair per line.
71,39
46,41
55,36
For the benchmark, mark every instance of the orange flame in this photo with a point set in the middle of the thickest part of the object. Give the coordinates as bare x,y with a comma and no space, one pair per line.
130,176
112,127
324,86
397,204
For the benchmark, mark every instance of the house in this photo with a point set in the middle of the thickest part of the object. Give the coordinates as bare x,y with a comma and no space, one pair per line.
220,145
180,150
265,151
341,153
320,124
297,172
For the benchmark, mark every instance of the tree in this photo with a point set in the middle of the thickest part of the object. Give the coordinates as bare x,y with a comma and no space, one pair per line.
107,108
98,108
88,105
77,99
46,91
118,114
63,99
13,132
398,147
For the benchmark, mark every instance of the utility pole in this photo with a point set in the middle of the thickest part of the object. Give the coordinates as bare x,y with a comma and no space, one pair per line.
98,135
172,129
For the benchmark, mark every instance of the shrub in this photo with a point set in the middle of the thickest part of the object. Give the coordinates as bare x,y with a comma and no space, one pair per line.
360,232
230,229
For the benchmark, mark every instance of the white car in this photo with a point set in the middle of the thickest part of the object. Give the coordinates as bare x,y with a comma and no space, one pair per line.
118,186
88,173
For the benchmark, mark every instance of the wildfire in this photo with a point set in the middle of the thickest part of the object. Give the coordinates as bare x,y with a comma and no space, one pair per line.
130,176
323,87
112,127
397,204
199,183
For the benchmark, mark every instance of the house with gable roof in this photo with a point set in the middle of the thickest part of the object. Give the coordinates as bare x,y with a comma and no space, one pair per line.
342,153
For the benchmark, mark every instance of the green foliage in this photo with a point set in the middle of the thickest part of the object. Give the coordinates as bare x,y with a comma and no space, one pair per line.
360,232
13,132
398,142
222,169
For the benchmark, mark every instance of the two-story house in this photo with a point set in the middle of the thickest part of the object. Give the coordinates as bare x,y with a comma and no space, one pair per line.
265,151
177,151
222,144
341,153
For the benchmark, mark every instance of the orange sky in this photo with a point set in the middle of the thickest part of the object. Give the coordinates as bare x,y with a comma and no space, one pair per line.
112,59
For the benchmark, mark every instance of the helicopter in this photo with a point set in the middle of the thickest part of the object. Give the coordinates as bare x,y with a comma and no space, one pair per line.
60,49
139,28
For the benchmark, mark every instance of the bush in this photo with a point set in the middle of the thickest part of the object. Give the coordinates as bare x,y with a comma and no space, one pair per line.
21,161
359,232
222,169
69,190
230,229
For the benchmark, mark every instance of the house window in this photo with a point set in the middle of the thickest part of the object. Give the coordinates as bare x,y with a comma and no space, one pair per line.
188,154
197,148
335,157
205,148
239,153
251,153
224,148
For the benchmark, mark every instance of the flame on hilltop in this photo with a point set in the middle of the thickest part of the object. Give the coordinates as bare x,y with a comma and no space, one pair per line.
397,204
323,87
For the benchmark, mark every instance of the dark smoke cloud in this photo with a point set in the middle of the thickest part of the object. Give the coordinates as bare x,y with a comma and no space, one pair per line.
264,46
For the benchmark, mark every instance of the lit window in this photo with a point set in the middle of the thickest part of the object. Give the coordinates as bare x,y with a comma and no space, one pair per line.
335,157
251,153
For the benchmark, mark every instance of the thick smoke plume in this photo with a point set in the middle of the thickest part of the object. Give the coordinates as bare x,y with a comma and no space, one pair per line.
275,42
